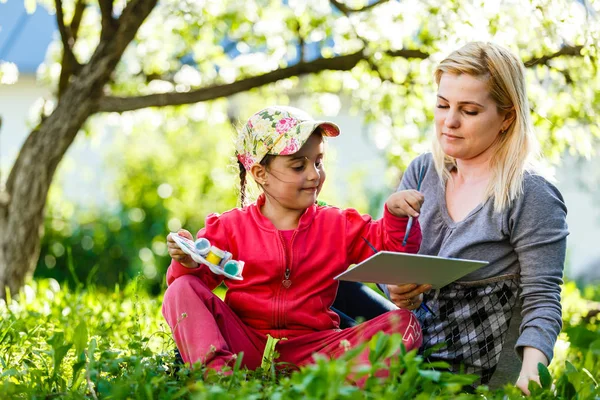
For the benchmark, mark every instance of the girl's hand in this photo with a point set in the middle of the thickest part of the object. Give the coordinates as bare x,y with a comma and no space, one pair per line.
179,255
408,296
405,203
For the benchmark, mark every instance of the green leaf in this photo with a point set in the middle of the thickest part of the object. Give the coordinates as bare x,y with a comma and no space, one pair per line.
534,388
59,355
564,388
71,266
77,367
91,350
458,378
595,347
569,368
589,374
5,331
10,372
581,337
431,375
545,378
80,338
437,365
59,349
379,346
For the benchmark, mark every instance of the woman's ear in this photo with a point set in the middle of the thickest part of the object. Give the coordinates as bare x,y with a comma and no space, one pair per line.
259,173
509,118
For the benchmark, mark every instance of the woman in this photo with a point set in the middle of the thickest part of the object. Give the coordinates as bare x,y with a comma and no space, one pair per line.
485,201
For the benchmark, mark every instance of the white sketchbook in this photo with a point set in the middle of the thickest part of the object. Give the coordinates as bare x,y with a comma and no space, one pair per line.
398,268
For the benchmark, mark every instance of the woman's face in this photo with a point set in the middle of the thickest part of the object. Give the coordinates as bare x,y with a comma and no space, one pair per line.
467,120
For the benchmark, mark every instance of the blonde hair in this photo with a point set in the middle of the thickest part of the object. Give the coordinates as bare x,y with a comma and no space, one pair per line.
517,147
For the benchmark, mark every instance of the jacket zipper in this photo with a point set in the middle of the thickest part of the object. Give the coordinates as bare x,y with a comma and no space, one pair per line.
285,282
288,272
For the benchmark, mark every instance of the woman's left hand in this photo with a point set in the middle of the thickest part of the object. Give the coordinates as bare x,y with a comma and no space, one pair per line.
529,369
408,296
523,382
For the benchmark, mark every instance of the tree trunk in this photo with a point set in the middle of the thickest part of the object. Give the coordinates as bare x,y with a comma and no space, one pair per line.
22,218
22,210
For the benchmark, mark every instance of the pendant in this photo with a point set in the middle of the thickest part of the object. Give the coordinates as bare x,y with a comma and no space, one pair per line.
286,283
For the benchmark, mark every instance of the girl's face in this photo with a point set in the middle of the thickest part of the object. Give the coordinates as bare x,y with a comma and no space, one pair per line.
467,120
296,180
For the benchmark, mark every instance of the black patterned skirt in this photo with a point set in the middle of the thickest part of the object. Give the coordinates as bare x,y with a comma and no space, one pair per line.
471,323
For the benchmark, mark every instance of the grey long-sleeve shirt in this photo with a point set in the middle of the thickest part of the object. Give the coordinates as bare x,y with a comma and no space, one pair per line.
528,238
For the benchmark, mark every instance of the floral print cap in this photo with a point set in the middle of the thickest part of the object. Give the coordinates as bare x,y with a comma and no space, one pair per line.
277,130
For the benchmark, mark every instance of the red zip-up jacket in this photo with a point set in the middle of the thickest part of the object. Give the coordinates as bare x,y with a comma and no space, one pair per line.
326,241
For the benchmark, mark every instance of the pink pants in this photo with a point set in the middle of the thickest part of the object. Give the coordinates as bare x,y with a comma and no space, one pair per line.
206,330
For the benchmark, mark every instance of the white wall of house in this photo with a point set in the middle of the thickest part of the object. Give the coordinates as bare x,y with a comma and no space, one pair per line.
583,215
16,102
80,174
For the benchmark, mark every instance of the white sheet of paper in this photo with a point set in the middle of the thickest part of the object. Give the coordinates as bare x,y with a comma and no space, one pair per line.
398,268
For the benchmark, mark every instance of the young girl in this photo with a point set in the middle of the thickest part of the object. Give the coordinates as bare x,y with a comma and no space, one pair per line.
292,249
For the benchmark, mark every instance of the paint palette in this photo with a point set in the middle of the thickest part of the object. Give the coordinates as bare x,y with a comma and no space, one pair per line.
218,261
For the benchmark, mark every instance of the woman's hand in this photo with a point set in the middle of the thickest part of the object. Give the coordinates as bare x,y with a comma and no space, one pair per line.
529,370
408,296
179,255
523,382
405,203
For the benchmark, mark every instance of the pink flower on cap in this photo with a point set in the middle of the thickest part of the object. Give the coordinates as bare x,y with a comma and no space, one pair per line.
246,160
292,147
285,124
277,130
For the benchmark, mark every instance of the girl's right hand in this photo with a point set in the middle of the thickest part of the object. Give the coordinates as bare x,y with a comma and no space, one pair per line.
179,255
405,203
408,296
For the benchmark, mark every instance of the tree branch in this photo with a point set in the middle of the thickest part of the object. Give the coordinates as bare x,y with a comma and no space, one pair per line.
69,62
65,35
347,10
121,104
77,16
393,53
108,22
110,49
573,51
339,63
301,42
408,53
129,22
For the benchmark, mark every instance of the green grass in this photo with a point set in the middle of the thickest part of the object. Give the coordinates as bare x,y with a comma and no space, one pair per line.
93,343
